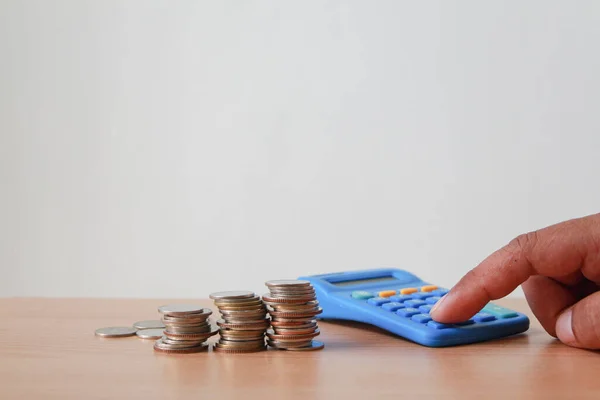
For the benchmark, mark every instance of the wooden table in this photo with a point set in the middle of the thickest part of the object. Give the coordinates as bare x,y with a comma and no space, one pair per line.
48,350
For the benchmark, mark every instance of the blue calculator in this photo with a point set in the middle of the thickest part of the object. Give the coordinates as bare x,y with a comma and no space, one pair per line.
399,302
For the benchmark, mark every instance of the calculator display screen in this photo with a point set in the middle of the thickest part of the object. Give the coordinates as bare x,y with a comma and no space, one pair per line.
363,281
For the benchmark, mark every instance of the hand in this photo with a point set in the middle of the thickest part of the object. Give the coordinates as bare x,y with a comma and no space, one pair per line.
559,269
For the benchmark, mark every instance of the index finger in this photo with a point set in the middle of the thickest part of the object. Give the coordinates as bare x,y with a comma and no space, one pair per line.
555,251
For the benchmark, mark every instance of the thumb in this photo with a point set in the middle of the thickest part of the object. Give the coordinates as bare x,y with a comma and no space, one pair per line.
579,325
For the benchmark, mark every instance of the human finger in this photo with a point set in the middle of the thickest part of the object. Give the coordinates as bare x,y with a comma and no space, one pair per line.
579,325
554,251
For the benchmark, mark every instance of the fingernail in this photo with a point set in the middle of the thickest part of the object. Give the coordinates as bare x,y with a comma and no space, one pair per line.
564,327
437,305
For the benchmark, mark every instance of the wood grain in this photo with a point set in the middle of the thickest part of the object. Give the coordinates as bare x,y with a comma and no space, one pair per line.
48,350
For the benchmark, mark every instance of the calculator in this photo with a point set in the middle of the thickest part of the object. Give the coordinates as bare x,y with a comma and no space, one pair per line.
399,302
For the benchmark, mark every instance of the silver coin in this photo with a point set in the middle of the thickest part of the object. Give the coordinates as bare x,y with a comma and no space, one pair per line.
292,289
182,331
116,331
182,343
188,318
278,344
150,333
149,324
232,294
291,295
245,313
165,348
287,282
175,309
193,336
161,344
168,320
314,345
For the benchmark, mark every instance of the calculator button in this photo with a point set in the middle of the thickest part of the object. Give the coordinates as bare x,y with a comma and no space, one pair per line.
393,306
426,308
428,288
399,298
387,293
362,295
438,325
439,292
464,323
407,312
421,295
432,300
422,318
499,312
408,290
483,317
378,301
414,303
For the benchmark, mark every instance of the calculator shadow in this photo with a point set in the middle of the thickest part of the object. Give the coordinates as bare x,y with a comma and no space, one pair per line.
357,328
518,339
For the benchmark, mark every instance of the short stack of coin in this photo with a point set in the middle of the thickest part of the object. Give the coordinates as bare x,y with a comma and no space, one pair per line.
244,322
187,329
293,307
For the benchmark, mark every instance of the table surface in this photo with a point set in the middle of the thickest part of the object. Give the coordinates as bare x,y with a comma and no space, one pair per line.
48,350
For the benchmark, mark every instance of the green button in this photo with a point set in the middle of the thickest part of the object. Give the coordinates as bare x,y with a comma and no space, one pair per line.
499,312
362,295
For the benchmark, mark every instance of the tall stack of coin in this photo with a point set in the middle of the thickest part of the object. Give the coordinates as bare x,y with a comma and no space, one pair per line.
187,329
243,324
293,307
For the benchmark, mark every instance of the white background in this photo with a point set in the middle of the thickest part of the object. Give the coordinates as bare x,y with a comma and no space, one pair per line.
174,148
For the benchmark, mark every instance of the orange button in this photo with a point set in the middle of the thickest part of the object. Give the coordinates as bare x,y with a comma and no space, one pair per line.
408,290
429,288
387,293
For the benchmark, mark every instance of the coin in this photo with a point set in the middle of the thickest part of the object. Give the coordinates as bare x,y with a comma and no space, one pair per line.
235,307
239,333
190,336
251,311
270,300
176,309
237,338
186,318
292,323
167,319
116,331
243,321
293,332
160,347
292,306
189,331
286,283
246,326
234,294
292,338
235,302
292,292
181,344
314,345
150,333
309,305
150,324
292,314
187,328
280,344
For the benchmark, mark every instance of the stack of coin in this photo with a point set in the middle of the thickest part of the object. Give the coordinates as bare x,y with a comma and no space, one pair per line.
243,324
293,307
187,329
